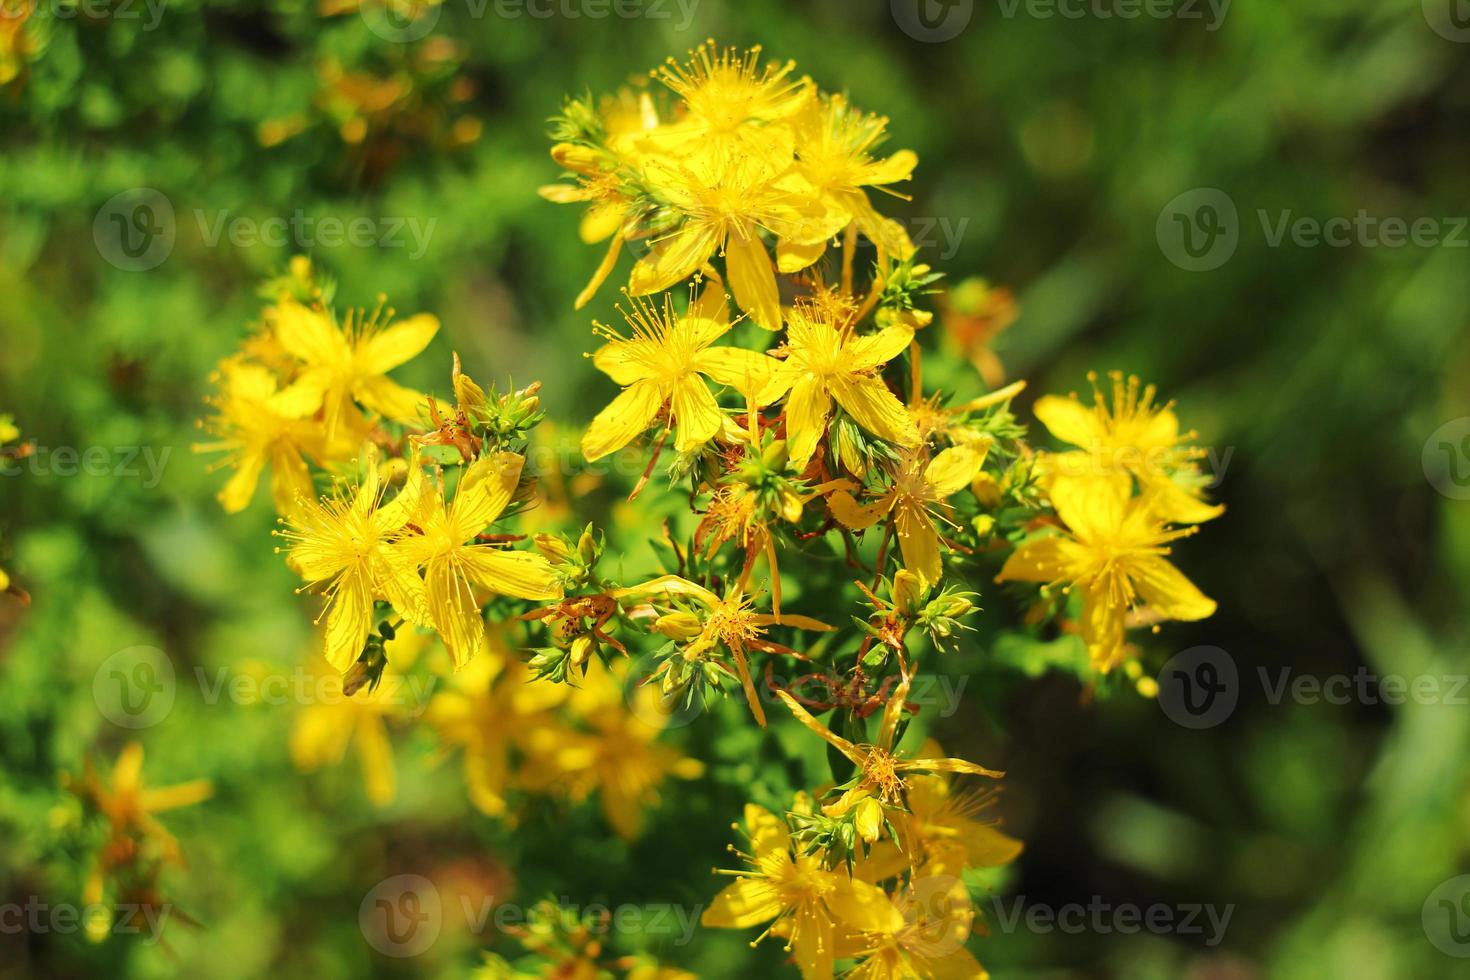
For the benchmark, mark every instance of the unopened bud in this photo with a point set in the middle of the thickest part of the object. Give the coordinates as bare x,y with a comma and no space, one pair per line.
679,625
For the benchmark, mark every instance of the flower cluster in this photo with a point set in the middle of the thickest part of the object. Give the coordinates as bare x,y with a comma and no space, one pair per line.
830,512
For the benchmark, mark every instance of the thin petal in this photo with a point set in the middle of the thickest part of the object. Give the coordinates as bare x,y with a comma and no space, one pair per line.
918,541
745,903
483,493
310,335
831,738
350,620
872,406
398,344
516,573
1069,420
672,260
865,353
599,276
695,412
390,399
1046,559
625,361
622,421
954,469
748,372
1168,591
806,419
753,279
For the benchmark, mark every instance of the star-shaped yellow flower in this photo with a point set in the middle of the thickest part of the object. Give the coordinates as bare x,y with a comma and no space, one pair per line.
661,364
825,363
1114,552
453,565
342,367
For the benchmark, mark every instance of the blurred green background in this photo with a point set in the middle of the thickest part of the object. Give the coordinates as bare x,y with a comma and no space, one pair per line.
1054,151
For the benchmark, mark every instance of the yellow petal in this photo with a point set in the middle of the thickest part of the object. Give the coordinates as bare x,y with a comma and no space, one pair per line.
898,167
695,412
986,847
669,585
390,399
622,421
827,735
792,257
918,541
456,614
310,335
600,220
375,753
753,280
516,573
350,620
599,276
955,468
854,516
1092,506
745,903
1070,421
290,478
862,906
748,372
872,406
812,942
1167,590
1045,559
865,353
240,487
484,491
625,361
399,343
1102,629
768,833
806,419
672,260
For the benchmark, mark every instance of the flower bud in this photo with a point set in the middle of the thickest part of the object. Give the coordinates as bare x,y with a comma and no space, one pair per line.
908,590
553,546
869,819
679,625
582,648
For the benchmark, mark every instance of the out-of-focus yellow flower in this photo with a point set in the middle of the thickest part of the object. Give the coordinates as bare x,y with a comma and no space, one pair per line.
799,896
341,367
1132,435
824,363
341,542
919,487
662,363
332,721
494,709
619,757
260,425
452,567
129,806
1114,552
935,919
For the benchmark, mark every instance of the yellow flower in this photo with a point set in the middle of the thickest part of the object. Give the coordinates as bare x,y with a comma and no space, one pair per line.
724,204
492,709
343,543
917,489
729,99
661,364
1133,435
825,363
452,568
325,728
881,772
130,807
729,622
936,918
343,366
942,826
260,425
798,896
1114,552
620,757
833,144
